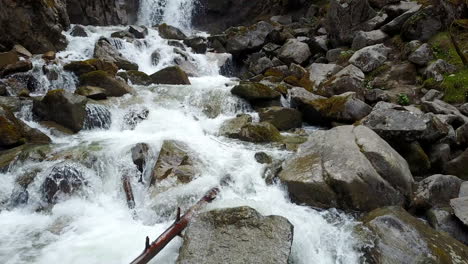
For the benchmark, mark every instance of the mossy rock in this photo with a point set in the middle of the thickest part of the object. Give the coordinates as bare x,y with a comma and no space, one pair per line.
79,67
303,82
263,132
102,79
171,75
136,77
254,91
443,48
92,92
455,87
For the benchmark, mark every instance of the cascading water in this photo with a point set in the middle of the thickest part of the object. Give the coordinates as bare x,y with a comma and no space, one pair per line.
173,12
95,225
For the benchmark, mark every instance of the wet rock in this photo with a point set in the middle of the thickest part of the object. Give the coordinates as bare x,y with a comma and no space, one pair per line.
252,91
294,51
344,19
422,56
422,25
370,58
464,109
259,133
261,65
436,191
92,92
244,39
443,220
113,86
176,162
22,51
460,208
263,158
155,58
82,67
403,125
402,238
458,166
438,68
169,32
138,32
364,39
103,13
7,58
140,154
105,51
19,196
349,79
281,117
123,34
135,77
232,127
64,179
97,116
14,132
3,90
49,55
462,135
416,157
79,31
236,235
171,75
20,66
135,116
63,107
381,3
346,167
198,44
37,25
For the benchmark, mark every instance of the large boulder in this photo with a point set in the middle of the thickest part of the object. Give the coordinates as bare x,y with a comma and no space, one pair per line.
113,86
460,208
176,163
135,77
394,26
7,58
62,107
252,91
349,79
37,25
422,55
319,72
294,51
262,132
344,19
232,127
64,179
444,220
422,25
400,124
364,39
170,75
105,51
281,117
236,235
20,66
458,166
402,238
438,69
81,67
436,191
170,32
14,132
103,12
243,39
370,58
347,167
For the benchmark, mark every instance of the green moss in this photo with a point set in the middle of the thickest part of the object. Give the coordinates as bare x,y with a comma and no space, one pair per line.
398,42
8,130
455,87
274,72
345,56
56,91
431,83
303,82
93,76
443,48
381,69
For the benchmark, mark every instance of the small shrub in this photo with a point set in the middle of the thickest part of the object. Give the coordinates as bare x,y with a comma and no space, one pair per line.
403,99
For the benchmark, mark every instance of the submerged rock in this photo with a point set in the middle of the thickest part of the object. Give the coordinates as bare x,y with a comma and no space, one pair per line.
347,167
139,155
64,179
236,235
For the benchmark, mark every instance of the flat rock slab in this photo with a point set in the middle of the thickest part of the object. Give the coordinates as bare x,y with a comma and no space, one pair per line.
460,208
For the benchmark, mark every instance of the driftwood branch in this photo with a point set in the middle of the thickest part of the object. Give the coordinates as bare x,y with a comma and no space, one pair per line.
151,250
128,192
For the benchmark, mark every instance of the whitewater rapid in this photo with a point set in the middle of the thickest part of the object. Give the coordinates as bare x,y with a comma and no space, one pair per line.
97,226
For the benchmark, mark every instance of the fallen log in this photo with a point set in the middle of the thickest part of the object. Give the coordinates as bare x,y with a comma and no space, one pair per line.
151,250
128,192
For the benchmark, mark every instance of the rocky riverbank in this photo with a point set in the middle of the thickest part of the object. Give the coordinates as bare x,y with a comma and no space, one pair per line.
383,83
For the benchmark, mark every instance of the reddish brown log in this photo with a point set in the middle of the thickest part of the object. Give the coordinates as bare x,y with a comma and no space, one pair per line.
151,250
128,192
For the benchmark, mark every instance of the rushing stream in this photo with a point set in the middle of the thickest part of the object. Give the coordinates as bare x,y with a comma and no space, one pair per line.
96,226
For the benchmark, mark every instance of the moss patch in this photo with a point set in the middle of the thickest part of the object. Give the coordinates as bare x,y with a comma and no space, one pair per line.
443,48
455,87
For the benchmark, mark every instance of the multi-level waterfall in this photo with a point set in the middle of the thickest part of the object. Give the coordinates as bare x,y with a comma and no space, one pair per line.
96,226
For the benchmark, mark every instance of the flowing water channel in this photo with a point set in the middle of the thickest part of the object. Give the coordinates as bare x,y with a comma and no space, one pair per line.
96,225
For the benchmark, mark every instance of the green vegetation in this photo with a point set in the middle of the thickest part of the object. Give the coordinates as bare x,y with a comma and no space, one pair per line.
443,47
403,99
455,87
345,56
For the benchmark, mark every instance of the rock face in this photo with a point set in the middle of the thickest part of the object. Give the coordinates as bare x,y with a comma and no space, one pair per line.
349,79
236,235
402,238
170,75
243,39
37,25
14,132
460,208
347,167
345,17
62,107
169,32
102,12
175,162
422,25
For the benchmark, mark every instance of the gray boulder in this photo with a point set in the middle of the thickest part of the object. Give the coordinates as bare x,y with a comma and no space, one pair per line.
319,72
170,32
370,58
113,86
232,127
244,39
444,220
294,51
438,68
347,167
138,32
364,39
460,208
464,109
458,166
422,25
252,91
399,237
349,79
236,235
105,51
62,107
394,26
436,191
422,56
64,180
281,117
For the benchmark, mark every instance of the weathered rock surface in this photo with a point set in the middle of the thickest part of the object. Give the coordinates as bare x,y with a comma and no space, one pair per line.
105,51
458,166
443,220
319,72
170,32
370,58
62,107
243,39
294,51
436,191
422,25
263,132
113,86
364,39
349,79
460,208
282,118
252,91
402,238
139,155
236,235
232,127
103,12
347,167
422,56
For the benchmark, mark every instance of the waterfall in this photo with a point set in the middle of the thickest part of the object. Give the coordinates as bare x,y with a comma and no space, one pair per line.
177,13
